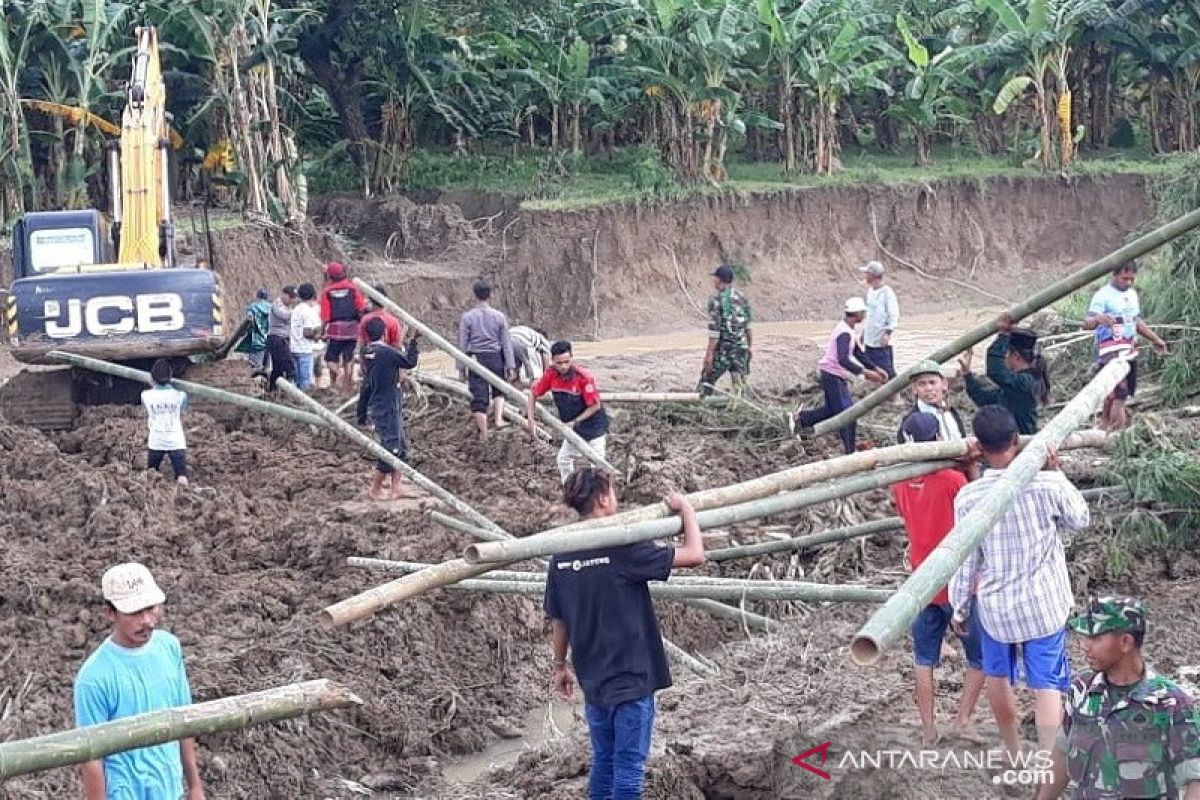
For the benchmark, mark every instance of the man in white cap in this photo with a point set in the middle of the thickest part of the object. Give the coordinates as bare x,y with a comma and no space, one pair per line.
883,317
843,359
135,670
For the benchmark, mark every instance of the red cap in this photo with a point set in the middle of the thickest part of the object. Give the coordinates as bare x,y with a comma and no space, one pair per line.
335,271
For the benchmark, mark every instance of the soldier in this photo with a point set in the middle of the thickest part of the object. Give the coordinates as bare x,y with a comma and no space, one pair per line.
729,336
1128,731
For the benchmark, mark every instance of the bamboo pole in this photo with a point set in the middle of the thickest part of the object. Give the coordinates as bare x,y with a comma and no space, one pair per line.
656,397
558,541
379,451
810,540
885,525
197,389
511,393
460,390
816,471
458,526
1035,302
891,621
156,727
758,591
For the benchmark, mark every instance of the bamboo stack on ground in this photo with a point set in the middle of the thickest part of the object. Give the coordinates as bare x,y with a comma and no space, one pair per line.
79,745
510,393
700,586
378,597
891,622
885,525
1035,302
196,389
379,451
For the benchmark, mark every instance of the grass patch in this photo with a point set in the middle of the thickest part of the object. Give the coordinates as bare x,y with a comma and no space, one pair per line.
566,182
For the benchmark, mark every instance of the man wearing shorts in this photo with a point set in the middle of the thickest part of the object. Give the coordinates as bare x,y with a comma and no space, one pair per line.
483,334
1115,315
341,306
926,503
1019,576
164,406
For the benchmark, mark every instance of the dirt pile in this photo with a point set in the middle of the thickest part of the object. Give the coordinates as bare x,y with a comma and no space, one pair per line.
399,228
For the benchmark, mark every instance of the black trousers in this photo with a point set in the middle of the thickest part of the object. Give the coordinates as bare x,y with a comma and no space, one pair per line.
482,393
282,365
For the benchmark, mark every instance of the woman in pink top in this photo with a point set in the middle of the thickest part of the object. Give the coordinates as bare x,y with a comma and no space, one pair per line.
843,360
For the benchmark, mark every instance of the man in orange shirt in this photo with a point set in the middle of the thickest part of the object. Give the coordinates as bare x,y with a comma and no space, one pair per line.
927,506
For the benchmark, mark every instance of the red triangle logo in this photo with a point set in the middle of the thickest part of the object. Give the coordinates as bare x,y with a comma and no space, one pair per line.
801,760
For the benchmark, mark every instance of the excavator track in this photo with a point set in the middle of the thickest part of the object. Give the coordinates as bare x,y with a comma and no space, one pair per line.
42,399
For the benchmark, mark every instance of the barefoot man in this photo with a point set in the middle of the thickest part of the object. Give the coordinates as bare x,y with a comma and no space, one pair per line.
381,398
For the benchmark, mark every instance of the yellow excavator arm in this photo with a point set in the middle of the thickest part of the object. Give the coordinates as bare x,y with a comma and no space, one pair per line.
142,207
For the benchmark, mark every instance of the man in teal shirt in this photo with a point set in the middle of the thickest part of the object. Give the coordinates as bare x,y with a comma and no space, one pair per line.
135,670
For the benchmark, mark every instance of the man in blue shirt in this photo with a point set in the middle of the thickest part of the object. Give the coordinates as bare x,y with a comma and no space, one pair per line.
599,607
1115,315
135,670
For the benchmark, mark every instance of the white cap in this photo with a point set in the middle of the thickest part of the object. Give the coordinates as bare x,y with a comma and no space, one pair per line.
131,588
854,305
873,267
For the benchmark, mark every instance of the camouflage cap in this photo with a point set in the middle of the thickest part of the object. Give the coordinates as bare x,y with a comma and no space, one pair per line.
1110,615
927,367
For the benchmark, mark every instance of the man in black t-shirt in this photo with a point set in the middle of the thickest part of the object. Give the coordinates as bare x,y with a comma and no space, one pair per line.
599,607
381,399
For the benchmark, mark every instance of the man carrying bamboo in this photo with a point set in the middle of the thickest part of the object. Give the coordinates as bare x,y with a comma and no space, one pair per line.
926,504
730,338
600,612
135,670
1115,315
578,403
1019,578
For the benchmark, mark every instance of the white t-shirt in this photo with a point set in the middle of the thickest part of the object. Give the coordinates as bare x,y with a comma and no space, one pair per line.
304,315
164,406
1125,309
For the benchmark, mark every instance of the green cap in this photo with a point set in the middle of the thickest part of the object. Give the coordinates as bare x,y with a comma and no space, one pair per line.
927,367
1110,615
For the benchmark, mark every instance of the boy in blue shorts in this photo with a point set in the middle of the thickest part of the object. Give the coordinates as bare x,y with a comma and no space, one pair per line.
926,503
1019,576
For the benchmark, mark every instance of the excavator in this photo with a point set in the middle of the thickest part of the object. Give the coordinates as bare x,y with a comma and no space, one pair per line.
70,293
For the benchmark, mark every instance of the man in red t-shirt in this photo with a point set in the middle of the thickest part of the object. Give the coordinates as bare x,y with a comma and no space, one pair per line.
578,403
393,328
341,306
927,506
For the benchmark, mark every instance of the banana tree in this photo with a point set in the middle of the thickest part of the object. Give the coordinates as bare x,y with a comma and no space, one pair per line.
928,97
16,159
1038,46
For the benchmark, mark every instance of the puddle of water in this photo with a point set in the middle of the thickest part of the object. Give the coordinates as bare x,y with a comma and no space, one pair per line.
543,724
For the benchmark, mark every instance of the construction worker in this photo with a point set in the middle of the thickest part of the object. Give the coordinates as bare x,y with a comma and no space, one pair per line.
341,306
1018,371
926,504
1128,731
381,399
843,359
730,339
1115,315
883,317
601,614
531,349
137,669
578,403
483,334
1018,577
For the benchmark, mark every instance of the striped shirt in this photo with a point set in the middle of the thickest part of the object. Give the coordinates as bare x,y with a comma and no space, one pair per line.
1023,591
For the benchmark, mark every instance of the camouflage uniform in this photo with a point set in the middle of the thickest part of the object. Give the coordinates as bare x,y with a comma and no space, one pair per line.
1127,742
728,322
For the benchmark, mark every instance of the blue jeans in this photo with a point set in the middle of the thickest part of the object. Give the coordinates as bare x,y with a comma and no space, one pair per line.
620,745
304,370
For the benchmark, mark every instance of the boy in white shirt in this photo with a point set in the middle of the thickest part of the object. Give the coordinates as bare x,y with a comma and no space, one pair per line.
164,406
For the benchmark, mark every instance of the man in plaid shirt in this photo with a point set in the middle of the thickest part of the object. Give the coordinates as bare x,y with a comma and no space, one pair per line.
1019,577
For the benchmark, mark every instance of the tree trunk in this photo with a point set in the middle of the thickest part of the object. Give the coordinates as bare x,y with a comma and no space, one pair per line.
1051,294
921,144
893,620
576,132
1046,120
788,134
342,84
